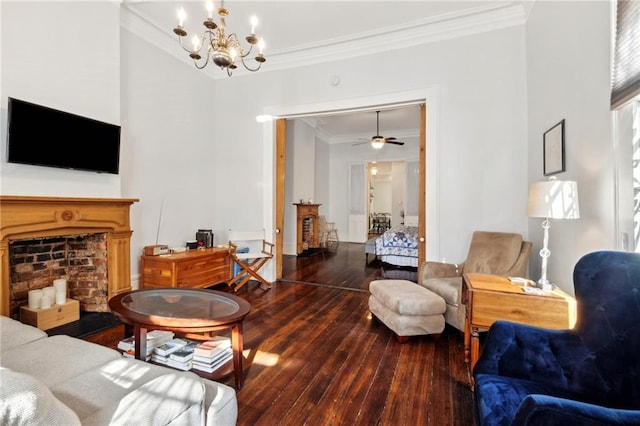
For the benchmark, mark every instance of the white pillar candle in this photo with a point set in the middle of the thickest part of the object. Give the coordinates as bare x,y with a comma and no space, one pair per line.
45,302
61,285
61,298
34,298
50,292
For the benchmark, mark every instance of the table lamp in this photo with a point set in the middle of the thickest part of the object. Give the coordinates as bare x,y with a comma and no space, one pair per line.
554,199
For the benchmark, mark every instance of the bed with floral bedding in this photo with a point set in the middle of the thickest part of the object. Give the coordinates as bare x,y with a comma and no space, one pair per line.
399,246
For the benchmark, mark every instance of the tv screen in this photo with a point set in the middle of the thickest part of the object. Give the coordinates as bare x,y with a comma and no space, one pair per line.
44,136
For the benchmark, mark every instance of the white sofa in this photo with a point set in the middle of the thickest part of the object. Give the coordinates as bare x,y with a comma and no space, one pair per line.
61,380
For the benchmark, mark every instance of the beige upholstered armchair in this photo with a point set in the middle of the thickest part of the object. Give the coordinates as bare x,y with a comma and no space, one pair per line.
498,253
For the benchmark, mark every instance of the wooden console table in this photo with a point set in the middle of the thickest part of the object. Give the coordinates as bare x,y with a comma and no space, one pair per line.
189,269
489,298
307,226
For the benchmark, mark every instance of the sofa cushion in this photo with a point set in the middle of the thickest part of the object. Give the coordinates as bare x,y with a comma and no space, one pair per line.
24,400
91,380
222,404
492,252
115,379
57,359
498,397
14,333
448,288
171,399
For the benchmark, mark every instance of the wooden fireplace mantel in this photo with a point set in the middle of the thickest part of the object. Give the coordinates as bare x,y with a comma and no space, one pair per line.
25,217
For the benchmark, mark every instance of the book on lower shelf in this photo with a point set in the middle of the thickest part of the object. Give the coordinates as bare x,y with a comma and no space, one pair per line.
159,359
213,346
210,367
185,353
180,365
154,338
208,360
127,343
171,346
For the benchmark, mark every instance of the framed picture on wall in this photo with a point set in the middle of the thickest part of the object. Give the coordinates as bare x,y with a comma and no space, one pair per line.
553,150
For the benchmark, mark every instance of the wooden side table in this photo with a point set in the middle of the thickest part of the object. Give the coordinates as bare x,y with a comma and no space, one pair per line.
489,298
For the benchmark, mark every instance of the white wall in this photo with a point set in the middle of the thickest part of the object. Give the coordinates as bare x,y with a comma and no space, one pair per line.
307,176
169,140
398,177
481,174
300,177
46,60
303,138
193,145
322,190
568,78
172,145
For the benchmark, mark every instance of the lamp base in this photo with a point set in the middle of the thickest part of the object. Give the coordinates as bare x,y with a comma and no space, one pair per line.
544,284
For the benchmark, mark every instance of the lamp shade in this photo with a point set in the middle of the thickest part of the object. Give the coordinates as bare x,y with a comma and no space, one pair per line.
555,199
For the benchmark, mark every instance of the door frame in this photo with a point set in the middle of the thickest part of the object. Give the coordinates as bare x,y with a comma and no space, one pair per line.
428,207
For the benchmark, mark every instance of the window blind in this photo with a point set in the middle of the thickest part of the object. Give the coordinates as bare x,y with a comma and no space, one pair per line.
625,84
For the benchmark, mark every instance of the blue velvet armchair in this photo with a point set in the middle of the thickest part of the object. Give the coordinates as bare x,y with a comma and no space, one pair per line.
589,375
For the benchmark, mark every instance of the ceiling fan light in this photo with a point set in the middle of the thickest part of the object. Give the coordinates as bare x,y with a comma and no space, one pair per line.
377,142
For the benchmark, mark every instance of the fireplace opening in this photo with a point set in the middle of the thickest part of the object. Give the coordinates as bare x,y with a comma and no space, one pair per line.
307,232
80,259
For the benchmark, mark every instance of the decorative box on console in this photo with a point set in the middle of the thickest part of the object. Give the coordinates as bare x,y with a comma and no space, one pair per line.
51,317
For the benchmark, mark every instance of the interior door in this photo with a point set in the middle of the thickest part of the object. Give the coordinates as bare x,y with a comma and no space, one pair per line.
358,192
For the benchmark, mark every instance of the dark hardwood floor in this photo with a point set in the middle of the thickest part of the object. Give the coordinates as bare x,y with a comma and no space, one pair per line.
314,356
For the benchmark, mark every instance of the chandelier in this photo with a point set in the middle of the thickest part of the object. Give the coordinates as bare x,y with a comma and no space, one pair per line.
221,49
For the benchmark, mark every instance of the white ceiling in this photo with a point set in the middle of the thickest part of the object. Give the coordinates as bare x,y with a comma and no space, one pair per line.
301,32
398,122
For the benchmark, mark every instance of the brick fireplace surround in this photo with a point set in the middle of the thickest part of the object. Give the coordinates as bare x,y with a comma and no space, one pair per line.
26,217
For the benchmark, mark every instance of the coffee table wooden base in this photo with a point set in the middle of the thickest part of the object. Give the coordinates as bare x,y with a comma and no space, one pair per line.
190,313
233,366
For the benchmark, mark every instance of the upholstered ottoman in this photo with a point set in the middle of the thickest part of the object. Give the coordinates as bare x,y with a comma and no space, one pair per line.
407,308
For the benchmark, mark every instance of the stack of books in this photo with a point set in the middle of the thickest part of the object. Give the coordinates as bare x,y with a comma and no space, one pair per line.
154,338
182,358
161,353
212,354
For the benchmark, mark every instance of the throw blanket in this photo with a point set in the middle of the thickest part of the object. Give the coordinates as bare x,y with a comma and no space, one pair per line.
399,241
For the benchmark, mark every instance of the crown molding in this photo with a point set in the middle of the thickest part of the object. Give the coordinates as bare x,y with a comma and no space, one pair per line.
315,125
415,33
443,27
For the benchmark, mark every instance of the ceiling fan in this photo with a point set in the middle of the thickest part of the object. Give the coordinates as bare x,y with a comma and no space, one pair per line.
377,141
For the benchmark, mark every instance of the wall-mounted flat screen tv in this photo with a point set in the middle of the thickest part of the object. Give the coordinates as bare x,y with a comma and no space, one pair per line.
43,136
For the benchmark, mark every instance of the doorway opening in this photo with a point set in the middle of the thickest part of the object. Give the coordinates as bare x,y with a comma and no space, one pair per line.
282,180
275,141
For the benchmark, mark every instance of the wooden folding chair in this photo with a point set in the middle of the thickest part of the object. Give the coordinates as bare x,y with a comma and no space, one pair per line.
249,261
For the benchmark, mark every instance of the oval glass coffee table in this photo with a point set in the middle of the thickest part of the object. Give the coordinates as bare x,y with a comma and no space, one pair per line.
192,313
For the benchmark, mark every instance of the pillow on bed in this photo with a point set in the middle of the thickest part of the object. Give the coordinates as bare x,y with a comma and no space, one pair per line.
25,400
